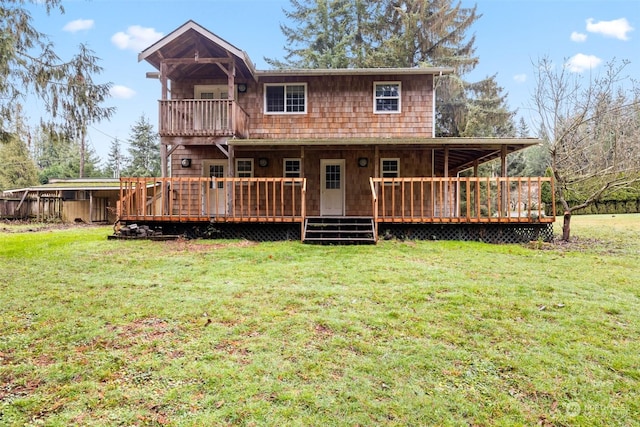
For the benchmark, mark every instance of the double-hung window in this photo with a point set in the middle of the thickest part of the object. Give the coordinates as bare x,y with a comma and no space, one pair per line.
244,168
285,98
390,168
386,97
292,168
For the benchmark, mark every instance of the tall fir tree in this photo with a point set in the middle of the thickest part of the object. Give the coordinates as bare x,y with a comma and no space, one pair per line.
29,65
400,33
144,149
115,159
18,169
58,156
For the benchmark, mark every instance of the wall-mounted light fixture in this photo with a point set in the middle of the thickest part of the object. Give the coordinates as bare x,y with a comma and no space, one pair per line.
363,162
185,163
263,162
242,88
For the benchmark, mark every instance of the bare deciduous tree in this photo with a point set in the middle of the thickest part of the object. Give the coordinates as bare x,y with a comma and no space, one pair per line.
593,132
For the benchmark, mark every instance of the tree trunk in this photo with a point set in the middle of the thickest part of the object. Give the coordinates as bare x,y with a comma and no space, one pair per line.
566,226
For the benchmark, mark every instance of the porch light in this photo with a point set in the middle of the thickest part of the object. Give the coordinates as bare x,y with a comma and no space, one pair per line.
185,163
242,88
263,162
363,162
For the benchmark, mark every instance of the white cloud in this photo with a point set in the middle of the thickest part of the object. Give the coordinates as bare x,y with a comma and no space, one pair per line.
520,78
581,62
78,25
618,28
122,92
578,37
136,38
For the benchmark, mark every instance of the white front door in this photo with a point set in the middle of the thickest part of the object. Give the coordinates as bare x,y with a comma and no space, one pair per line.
215,200
332,187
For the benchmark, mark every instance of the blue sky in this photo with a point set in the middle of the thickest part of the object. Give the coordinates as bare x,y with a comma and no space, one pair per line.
510,36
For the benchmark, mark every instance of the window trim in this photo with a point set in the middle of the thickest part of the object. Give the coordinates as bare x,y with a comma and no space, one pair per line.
284,169
399,97
250,160
285,85
382,171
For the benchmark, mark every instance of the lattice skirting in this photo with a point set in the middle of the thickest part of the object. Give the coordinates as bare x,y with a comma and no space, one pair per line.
253,232
490,233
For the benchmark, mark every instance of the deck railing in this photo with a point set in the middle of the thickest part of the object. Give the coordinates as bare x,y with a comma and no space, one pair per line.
464,199
212,199
202,117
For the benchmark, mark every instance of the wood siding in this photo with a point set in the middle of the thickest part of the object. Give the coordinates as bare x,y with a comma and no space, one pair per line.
337,107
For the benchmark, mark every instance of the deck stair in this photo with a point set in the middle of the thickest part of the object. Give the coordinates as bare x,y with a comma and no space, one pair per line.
342,230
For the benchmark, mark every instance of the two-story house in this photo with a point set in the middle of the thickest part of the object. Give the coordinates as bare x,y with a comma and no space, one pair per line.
323,154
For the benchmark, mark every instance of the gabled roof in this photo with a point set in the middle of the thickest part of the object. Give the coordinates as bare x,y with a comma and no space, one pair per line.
192,40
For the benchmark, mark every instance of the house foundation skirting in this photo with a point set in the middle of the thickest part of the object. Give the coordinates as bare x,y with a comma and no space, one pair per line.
269,232
489,233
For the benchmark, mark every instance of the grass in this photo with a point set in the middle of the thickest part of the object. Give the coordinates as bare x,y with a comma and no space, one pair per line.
188,333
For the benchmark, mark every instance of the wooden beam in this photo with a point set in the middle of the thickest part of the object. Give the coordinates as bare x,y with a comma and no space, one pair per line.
199,60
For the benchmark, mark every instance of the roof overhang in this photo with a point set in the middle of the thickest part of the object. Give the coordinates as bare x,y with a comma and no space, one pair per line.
71,185
354,72
195,44
463,153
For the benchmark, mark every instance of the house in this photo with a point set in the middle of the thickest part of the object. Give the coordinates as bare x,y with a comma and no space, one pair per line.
90,200
317,154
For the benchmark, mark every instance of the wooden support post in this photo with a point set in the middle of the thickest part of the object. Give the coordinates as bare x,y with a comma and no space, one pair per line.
503,174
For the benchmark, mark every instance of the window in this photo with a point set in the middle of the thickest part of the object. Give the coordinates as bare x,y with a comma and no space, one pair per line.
386,97
291,168
390,168
285,99
244,168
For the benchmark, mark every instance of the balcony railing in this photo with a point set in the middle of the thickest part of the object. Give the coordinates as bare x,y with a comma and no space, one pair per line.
202,117
462,200
212,199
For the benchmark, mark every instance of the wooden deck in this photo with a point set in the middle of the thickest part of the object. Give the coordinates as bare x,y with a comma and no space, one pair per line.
417,200
212,199
461,200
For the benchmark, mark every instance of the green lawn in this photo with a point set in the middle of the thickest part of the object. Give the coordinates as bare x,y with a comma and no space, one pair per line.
199,333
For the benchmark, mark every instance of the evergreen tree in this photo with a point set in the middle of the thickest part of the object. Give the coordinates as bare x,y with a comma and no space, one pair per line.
29,65
324,36
401,33
487,114
523,128
144,149
58,156
116,159
18,169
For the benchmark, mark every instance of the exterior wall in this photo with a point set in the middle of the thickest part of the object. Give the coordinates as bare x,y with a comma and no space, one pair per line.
413,162
337,107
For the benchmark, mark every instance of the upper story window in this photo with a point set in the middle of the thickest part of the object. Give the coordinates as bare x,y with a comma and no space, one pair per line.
386,97
285,98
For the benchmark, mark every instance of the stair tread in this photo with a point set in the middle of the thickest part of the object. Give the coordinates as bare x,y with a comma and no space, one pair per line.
340,231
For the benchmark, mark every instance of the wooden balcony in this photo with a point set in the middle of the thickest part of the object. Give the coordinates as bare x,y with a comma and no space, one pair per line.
462,200
202,117
212,199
